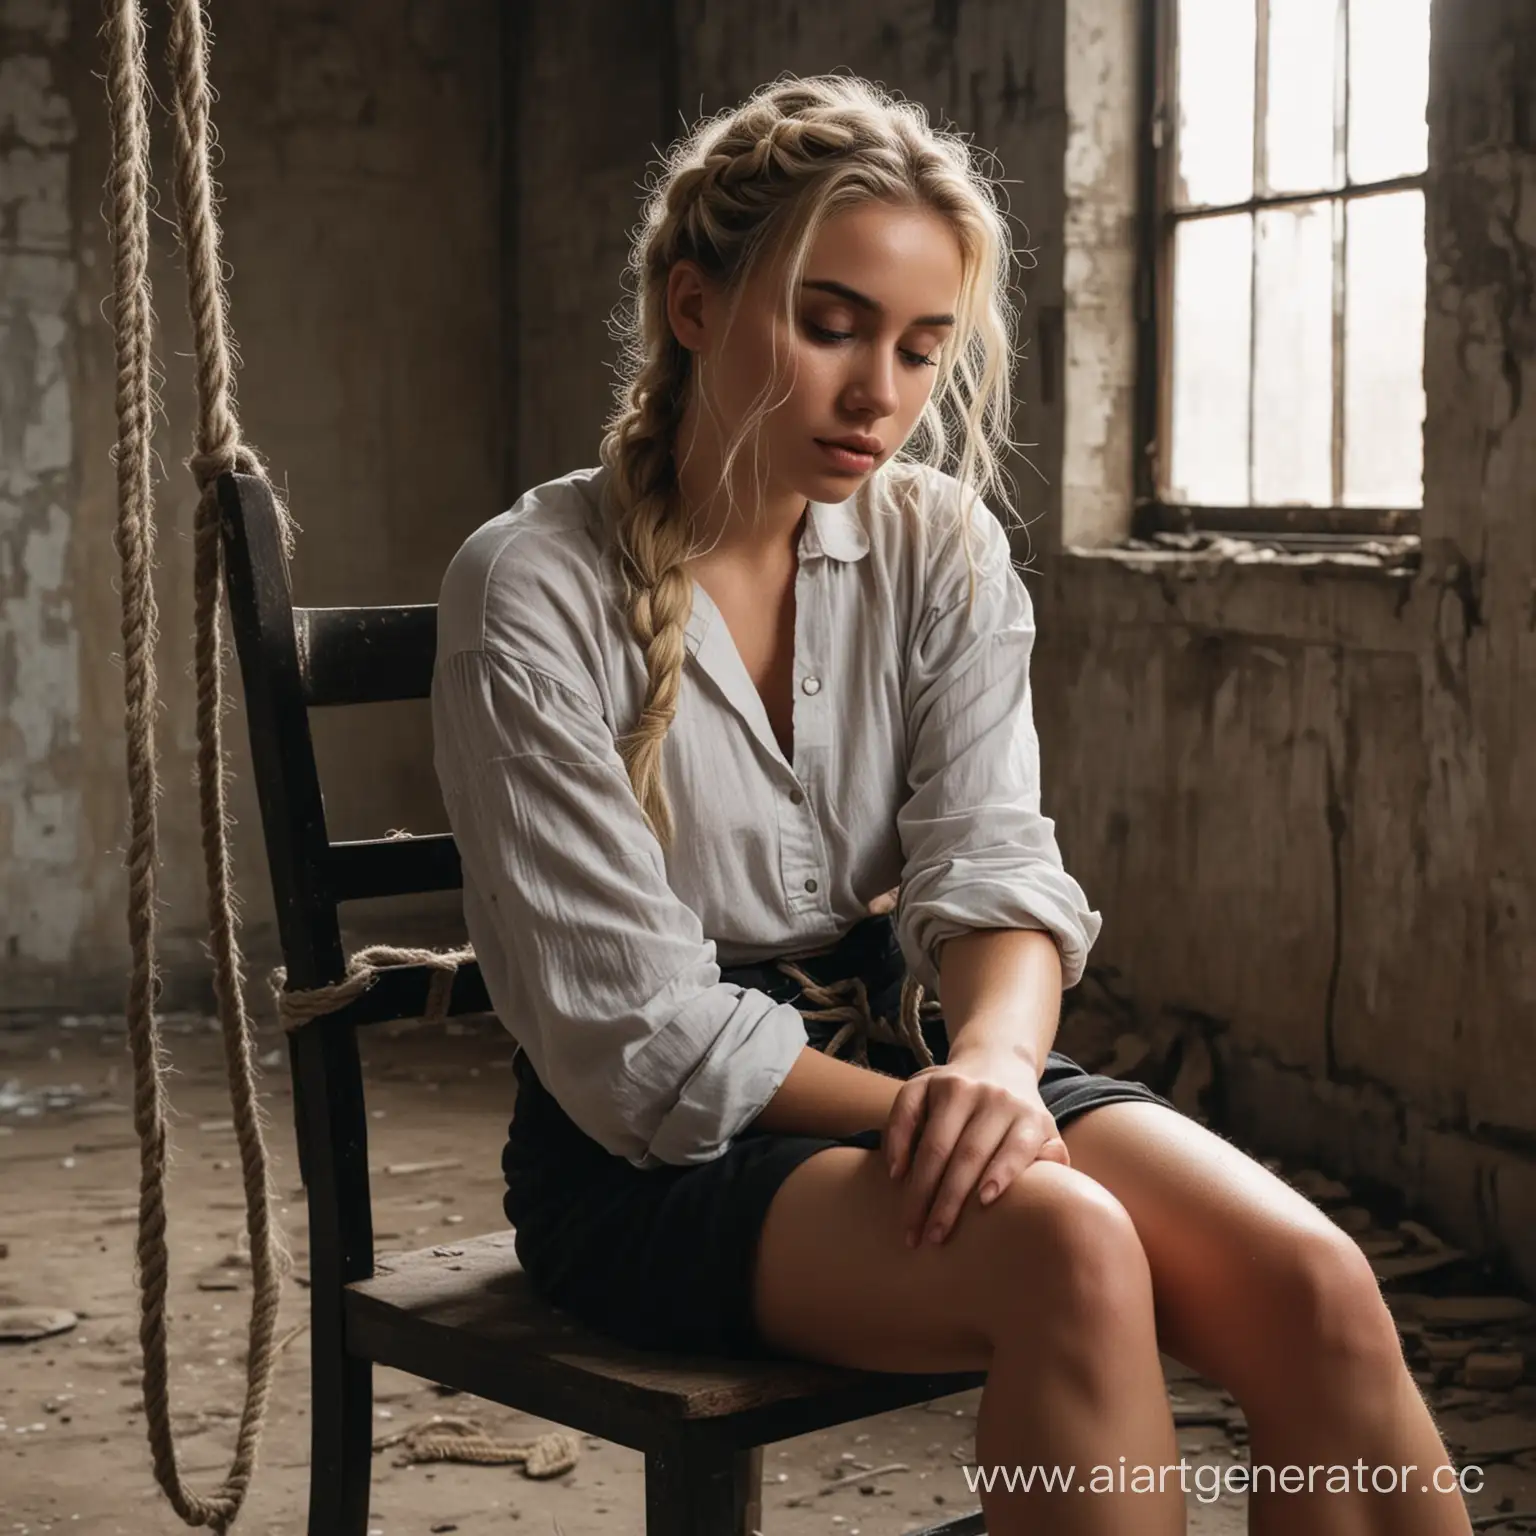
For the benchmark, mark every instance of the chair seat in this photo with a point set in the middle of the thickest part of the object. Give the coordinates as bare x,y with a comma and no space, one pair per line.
465,1314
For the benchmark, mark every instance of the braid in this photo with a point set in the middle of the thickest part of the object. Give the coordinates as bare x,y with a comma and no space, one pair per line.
653,542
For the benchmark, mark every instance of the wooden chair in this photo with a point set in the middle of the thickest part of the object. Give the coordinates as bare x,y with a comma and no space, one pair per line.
462,1315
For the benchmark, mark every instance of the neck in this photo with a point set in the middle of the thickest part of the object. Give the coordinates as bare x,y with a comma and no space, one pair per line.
736,522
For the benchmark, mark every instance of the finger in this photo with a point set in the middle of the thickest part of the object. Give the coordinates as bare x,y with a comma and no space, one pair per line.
1016,1154
902,1124
949,1110
885,902
978,1148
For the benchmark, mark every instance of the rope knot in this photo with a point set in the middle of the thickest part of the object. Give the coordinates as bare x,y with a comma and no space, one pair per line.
228,457
846,1002
363,970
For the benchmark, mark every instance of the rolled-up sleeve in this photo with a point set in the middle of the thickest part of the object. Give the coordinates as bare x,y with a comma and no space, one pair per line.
977,851
626,1020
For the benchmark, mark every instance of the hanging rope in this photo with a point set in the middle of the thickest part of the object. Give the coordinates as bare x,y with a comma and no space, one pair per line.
218,449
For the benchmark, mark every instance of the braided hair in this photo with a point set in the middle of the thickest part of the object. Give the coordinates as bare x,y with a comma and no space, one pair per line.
748,187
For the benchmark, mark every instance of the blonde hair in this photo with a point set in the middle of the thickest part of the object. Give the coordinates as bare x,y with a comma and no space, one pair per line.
747,186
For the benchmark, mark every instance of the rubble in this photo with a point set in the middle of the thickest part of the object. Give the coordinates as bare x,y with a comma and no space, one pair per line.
1498,1370
22,1325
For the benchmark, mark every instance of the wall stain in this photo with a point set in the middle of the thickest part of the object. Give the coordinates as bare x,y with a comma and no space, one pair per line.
19,349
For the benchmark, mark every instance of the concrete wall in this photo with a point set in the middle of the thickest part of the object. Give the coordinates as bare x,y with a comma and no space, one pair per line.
42,899
362,171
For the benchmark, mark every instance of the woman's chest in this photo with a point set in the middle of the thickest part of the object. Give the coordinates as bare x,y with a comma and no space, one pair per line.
760,617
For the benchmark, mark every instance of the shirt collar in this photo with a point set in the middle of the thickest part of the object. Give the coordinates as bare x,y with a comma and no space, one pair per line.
831,528
834,528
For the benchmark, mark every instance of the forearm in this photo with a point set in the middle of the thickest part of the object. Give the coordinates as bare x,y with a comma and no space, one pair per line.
1001,989
823,1096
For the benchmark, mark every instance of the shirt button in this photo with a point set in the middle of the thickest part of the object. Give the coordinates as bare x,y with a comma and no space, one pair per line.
795,797
811,685
810,885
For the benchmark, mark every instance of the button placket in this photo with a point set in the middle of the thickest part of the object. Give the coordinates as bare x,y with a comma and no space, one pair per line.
800,850
804,857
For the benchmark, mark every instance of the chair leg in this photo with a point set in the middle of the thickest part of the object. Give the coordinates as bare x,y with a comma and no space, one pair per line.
695,1489
341,1440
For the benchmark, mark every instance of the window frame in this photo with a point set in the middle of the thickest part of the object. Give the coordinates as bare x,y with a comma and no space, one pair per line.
1156,221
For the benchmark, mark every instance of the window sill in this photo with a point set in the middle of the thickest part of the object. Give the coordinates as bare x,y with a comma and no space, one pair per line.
1394,558
1361,597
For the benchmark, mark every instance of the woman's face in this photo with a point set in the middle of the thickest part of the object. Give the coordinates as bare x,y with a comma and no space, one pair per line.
872,316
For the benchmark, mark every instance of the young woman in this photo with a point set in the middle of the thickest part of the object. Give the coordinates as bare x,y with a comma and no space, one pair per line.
698,711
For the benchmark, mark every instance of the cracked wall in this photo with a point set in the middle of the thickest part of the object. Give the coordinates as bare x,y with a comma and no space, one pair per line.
1298,792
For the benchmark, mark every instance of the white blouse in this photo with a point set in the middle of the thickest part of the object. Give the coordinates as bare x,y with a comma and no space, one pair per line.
915,762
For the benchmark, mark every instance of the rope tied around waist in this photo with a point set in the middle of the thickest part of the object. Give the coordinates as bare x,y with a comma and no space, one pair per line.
846,1001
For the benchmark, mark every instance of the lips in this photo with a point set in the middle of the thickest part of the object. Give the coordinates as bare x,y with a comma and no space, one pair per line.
848,461
856,443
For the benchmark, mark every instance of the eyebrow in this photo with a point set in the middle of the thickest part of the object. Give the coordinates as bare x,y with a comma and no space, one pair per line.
863,300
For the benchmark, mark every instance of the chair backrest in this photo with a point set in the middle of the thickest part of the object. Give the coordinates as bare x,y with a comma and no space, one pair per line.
293,660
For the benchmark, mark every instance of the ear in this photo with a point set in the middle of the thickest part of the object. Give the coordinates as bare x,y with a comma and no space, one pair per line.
687,304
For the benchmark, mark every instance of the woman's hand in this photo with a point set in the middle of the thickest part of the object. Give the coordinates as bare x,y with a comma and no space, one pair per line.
978,1120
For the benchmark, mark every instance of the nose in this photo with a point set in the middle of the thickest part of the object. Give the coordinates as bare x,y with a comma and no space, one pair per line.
871,390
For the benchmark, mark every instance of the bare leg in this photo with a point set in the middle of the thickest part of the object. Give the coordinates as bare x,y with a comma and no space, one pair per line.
1261,1292
1047,1290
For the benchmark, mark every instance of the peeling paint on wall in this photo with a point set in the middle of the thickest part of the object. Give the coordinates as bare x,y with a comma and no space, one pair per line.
1099,258
41,897
365,248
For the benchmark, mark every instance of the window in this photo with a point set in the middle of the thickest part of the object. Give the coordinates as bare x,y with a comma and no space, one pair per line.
1281,266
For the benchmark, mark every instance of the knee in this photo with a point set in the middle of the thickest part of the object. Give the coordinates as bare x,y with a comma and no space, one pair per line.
1068,1249
1324,1309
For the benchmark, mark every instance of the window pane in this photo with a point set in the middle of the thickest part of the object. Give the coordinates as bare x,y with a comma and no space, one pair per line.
1388,88
1298,134
1215,99
1293,357
1384,352
1211,287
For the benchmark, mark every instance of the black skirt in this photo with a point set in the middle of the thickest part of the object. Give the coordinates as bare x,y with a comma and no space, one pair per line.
663,1258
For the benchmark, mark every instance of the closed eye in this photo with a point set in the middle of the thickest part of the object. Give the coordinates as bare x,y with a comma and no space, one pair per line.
913,359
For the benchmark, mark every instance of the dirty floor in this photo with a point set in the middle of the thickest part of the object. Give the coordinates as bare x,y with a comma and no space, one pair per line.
72,1451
